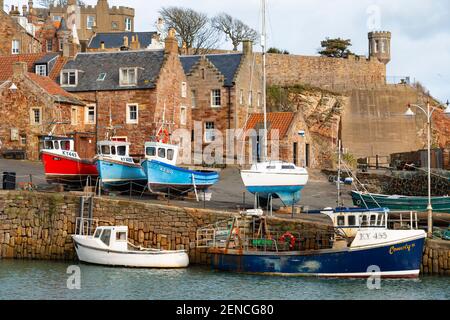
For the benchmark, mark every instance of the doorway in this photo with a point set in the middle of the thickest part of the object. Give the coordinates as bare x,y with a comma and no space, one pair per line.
295,153
307,155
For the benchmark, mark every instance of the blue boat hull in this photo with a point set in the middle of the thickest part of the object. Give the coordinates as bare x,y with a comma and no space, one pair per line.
396,261
120,175
162,176
289,195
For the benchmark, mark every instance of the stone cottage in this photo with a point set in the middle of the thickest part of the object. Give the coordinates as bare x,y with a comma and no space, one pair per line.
225,90
33,106
288,138
17,36
132,91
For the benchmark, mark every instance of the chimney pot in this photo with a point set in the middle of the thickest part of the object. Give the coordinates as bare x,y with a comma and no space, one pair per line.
171,44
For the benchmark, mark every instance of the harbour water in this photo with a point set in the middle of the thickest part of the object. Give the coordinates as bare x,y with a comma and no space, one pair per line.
24,280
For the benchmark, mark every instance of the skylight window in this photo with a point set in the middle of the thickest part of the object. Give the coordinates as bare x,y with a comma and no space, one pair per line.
101,77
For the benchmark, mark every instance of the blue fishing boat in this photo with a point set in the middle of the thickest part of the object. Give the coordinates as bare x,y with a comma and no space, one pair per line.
117,170
373,249
163,174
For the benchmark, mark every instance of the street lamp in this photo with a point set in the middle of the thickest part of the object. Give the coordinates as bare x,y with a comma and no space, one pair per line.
429,113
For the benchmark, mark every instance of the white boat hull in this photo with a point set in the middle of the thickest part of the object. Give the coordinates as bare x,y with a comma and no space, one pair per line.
88,251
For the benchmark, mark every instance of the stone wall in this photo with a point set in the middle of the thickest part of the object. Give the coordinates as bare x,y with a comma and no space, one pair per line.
39,225
436,258
323,72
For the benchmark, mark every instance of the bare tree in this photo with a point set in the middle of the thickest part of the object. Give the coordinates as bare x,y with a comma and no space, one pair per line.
193,28
48,3
234,29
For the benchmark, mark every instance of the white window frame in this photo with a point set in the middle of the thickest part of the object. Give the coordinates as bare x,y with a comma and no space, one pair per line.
214,97
210,132
128,24
241,97
129,120
250,98
15,46
41,70
57,18
183,115
33,116
74,116
68,78
126,82
184,89
90,24
259,99
86,114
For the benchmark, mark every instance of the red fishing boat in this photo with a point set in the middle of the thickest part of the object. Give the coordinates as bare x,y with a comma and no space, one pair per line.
62,163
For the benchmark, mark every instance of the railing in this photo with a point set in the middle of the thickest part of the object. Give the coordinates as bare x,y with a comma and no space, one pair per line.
411,222
86,226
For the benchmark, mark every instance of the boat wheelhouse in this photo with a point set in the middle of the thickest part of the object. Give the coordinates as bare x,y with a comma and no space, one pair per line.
62,163
163,174
109,246
116,168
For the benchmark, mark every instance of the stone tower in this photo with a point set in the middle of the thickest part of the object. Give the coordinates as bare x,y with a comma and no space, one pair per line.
380,46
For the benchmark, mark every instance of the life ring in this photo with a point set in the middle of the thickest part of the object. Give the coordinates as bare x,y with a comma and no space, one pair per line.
290,237
163,136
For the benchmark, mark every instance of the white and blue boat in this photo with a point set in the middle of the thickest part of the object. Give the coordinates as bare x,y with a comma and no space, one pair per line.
117,170
163,174
372,250
276,179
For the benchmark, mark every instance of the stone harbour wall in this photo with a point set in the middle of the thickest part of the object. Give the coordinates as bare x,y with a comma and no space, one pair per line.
436,258
39,225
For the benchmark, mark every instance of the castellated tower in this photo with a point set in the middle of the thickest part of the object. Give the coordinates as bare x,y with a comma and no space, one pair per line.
380,46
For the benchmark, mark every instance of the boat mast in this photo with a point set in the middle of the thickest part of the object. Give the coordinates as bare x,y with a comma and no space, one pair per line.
339,176
263,47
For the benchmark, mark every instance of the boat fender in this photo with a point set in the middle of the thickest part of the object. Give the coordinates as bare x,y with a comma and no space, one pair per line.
288,237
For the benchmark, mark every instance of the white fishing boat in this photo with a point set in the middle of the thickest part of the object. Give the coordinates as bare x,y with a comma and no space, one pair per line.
109,246
273,179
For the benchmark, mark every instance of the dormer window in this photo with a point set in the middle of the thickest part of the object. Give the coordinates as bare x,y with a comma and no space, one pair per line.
69,78
128,76
41,70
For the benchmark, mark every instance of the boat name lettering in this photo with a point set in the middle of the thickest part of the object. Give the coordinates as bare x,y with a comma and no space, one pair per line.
165,170
376,236
126,160
406,247
69,154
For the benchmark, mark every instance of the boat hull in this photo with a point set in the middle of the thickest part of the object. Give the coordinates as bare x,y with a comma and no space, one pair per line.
118,175
162,176
134,259
400,203
68,170
285,186
400,260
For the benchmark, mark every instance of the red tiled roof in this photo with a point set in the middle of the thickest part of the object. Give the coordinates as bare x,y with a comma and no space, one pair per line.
280,121
57,68
53,88
6,63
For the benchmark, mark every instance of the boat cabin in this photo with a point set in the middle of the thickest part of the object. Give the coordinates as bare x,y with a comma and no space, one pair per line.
115,238
115,150
58,143
166,153
275,166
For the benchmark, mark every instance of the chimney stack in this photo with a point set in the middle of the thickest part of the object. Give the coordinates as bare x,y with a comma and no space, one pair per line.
171,45
135,45
19,69
247,47
102,45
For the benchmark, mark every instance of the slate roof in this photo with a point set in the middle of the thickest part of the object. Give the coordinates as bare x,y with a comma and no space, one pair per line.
227,64
115,39
91,65
280,121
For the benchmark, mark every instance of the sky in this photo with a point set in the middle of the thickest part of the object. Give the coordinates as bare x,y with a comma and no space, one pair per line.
420,29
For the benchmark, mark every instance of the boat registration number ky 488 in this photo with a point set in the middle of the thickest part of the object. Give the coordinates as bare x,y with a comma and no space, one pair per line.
371,236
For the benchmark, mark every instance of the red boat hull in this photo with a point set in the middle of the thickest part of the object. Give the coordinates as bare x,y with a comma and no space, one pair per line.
67,170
